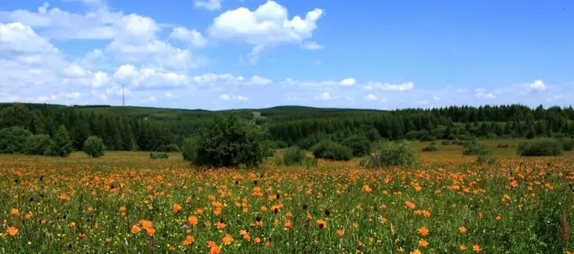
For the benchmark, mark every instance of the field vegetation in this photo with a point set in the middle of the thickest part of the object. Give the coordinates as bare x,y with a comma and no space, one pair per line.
457,180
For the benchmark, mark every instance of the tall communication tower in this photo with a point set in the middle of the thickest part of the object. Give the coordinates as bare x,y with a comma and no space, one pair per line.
123,94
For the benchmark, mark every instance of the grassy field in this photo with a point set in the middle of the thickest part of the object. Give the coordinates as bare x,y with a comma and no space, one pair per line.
127,203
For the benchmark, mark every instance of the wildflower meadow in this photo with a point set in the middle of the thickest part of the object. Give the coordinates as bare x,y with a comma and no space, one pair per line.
127,203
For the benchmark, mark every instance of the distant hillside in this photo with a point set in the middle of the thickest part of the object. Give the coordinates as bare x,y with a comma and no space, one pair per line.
279,112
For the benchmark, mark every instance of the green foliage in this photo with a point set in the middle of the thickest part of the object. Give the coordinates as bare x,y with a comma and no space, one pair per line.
94,147
473,148
189,149
359,144
568,144
502,146
541,147
293,156
391,154
229,141
446,142
169,148
62,145
486,157
330,150
432,147
12,139
38,145
158,155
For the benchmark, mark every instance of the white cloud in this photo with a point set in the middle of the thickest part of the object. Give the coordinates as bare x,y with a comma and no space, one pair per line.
143,78
482,93
208,4
323,96
537,85
311,45
371,97
390,87
348,82
193,37
228,79
227,97
267,26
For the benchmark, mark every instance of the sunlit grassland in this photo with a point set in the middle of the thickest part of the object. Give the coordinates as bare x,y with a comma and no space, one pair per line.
79,205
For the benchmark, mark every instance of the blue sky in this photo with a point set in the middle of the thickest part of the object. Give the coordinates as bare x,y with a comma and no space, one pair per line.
219,54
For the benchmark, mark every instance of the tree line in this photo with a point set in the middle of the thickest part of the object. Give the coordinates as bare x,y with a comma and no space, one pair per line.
129,129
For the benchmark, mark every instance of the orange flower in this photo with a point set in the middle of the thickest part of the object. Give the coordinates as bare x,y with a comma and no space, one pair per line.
192,220
476,248
423,243
228,239
322,224
189,240
214,249
462,229
416,251
424,231
288,224
12,231
135,229
176,208
340,232
462,247
410,204
220,225
14,212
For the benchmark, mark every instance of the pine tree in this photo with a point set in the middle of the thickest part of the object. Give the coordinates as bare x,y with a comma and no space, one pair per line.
62,145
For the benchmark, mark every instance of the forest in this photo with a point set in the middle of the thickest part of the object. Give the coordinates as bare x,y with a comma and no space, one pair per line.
158,129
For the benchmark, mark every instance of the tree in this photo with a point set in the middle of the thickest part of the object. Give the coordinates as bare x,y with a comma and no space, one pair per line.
360,145
12,139
37,144
62,145
228,141
94,147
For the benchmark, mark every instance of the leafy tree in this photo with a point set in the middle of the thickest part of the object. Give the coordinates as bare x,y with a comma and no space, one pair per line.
12,139
228,141
392,154
94,147
62,145
293,155
359,144
330,150
39,144
541,147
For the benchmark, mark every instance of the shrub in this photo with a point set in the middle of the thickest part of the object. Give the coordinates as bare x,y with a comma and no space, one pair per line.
12,139
158,155
37,144
359,144
168,148
568,144
189,149
62,144
486,157
502,146
446,142
94,147
432,147
330,150
541,147
228,141
293,155
392,154
473,148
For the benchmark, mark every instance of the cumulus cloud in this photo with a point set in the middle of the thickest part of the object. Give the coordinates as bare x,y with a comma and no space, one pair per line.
537,85
371,97
208,4
267,26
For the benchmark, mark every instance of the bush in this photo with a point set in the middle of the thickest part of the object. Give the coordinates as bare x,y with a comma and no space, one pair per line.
486,157
541,147
227,141
12,139
392,154
502,146
473,148
432,147
330,150
568,144
189,149
37,144
94,147
168,148
293,155
61,145
446,142
359,144
160,155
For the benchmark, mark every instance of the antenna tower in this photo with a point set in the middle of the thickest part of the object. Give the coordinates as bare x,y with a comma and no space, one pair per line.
124,95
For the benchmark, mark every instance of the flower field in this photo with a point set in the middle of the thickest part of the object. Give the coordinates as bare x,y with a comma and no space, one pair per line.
127,203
